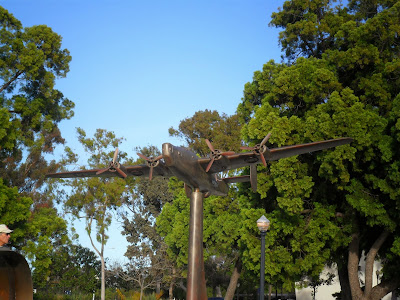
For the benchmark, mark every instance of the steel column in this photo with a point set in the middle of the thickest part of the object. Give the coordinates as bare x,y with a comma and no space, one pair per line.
196,282
262,265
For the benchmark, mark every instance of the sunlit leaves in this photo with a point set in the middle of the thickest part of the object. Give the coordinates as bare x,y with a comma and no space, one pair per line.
32,59
14,208
342,79
95,198
221,130
46,230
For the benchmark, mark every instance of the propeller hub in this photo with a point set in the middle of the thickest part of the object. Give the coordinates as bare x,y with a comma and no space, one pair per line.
152,162
216,154
113,166
259,149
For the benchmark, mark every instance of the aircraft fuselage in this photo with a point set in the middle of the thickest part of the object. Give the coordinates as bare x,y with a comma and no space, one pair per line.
184,164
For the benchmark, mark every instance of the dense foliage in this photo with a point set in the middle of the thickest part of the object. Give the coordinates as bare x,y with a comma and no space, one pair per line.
332,205
75,269
222,215
149,265
339,77
95,199
31,59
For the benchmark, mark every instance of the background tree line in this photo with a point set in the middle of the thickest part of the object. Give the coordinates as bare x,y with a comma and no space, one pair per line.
339,76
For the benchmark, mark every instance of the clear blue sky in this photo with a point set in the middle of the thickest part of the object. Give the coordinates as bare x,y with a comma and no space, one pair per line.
140,67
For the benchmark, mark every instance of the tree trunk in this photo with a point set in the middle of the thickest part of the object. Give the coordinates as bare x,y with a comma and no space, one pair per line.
345,293
269,291
384,288
182,286
218,291
101,254
370,260
103,278
370,293
171,291
141,293
352,268
158,286
103,264
171,288
230,292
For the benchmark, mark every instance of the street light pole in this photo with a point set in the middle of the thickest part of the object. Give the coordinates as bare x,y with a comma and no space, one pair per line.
262,265
263,225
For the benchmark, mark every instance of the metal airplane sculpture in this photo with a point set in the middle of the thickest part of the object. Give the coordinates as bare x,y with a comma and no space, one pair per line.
201,178
202,173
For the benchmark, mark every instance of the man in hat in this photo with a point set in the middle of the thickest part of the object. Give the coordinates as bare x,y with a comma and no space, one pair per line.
4,235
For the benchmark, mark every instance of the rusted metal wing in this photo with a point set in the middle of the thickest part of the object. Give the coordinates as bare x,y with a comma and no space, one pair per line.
139,170
287,151
239,160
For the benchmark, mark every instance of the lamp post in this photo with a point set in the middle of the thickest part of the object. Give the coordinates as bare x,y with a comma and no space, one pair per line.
263,225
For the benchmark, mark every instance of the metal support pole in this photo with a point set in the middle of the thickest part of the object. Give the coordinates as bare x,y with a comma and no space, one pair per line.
196,282
262,265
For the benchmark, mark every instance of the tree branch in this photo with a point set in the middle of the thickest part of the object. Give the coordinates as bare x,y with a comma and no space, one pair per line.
230,292
352,266
7,84
90,237
182,286
384,288
369,262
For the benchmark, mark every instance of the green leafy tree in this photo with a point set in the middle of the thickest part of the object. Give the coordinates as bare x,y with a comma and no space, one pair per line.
221,214
331,206
48,232
14,209
228,224
222,129
30,106
142,270
95,199
76,269
144,204
31,60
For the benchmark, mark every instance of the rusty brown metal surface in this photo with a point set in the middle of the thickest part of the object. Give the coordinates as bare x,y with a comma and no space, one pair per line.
202,172
15,277
196,282
201,178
